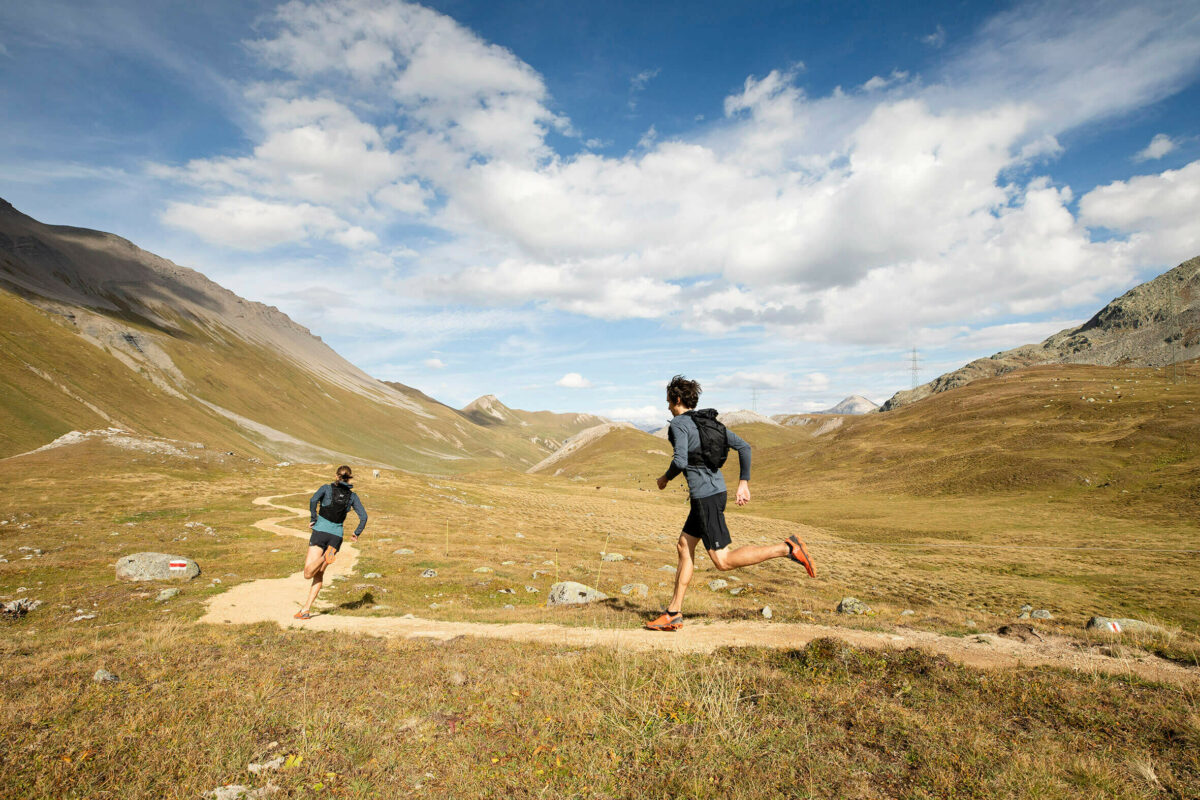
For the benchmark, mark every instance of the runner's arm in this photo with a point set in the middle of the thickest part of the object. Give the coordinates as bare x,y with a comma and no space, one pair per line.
318,497
680,458
357,505
743,449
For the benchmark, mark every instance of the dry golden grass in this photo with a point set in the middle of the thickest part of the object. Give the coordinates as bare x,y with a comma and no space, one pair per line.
375,718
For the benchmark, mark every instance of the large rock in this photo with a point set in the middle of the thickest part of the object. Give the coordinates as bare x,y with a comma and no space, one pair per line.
1121,625
156,567
852,605
570,593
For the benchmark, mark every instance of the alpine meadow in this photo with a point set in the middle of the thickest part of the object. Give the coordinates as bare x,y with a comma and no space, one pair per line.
629,401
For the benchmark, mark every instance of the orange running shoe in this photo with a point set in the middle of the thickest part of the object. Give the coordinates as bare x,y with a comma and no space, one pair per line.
302,615
330,554
799,553
668,621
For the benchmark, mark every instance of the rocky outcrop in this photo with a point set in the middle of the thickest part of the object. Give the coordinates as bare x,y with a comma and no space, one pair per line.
1152,325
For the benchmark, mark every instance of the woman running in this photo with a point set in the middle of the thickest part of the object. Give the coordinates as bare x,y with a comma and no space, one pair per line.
335,501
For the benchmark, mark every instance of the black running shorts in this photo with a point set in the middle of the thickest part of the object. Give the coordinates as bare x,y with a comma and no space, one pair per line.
322,539
706,521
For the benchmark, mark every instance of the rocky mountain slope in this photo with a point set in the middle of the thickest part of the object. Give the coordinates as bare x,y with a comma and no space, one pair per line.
1153,324
102,334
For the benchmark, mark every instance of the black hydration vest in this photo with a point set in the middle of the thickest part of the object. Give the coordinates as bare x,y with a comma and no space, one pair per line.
337,508
714,444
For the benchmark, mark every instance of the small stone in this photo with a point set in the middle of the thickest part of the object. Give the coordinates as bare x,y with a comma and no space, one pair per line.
216,581
737,590
266,766
908,612
1027,607
982,638
371,575
667,568
104,676
547,563
519,535
507,563
639,589
82,617
970,623
429,573
20,607
1023,615
766,612
509,607
166,594
537,573
532,589
1042,613
717,584
852,605
482,569
573,593
402,551
611,557
508,591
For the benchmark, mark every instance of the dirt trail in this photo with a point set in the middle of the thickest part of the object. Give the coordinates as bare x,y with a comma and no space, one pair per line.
277,599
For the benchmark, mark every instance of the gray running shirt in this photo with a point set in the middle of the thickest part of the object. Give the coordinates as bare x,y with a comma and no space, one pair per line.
702,482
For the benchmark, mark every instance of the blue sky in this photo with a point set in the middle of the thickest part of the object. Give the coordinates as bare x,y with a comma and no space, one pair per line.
565,203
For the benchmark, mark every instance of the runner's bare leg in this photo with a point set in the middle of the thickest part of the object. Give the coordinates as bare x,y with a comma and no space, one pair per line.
683,575
726,559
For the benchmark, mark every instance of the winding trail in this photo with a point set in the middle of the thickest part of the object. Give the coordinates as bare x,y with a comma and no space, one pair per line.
277,599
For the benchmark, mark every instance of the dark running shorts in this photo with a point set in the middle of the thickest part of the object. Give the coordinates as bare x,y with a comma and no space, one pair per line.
706,521
322,539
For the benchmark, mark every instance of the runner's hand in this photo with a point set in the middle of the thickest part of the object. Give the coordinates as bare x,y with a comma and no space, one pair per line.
743,493
662,482
311,524
353,539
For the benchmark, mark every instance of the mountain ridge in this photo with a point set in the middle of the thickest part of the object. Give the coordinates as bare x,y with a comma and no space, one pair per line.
1154,324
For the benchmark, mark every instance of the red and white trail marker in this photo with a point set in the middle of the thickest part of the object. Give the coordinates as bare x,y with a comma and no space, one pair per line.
177,564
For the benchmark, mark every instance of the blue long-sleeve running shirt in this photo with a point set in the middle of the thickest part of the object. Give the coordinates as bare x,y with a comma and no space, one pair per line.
702,482
324,496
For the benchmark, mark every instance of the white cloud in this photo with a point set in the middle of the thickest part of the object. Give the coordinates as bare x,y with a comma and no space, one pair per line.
935,39
247,223
573,380
862,216
637,84
1159,146
434,363
1157,212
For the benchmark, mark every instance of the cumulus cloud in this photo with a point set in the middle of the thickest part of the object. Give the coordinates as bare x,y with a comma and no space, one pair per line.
1157,213
573,380
1159,146
435,363
864,216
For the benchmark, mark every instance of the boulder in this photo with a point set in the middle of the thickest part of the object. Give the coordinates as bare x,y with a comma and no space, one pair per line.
156,567
852,605
639,589
1121,625
569,593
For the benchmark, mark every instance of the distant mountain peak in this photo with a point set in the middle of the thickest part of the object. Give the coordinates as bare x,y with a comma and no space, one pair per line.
854,404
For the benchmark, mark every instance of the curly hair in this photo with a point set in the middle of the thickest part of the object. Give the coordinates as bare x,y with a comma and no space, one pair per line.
684,392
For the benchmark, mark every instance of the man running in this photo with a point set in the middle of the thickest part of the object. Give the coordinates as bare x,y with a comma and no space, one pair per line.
706,488
335,501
